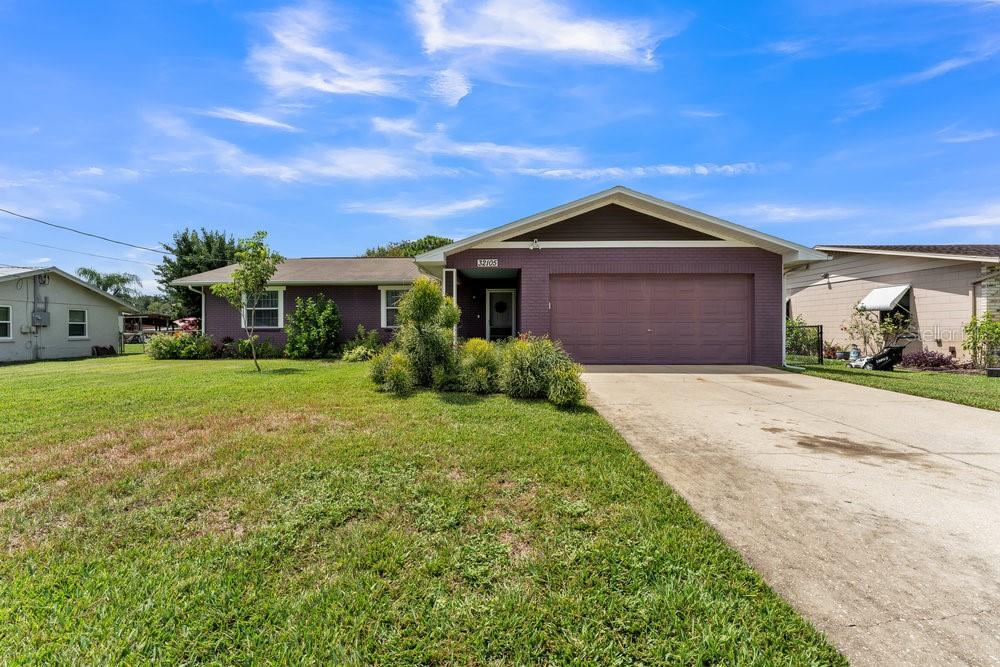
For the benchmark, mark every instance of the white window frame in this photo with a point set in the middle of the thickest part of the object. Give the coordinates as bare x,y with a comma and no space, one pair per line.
390,288
85,323
9,322
281,310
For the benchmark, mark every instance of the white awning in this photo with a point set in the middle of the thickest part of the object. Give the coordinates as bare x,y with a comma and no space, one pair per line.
884,298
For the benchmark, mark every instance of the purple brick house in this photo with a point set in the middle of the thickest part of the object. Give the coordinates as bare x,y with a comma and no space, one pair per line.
619,277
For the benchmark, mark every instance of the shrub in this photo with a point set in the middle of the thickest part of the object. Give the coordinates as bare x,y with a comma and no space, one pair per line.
480,365
180,346
364,338
398,374
928,359
312,328
359,353
426,318
241,349
982,340
380,367
565,386
528,364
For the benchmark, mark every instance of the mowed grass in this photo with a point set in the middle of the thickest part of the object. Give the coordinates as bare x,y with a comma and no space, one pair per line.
196,512
978,390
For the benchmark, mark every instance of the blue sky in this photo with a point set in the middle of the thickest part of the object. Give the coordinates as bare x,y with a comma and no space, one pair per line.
340,125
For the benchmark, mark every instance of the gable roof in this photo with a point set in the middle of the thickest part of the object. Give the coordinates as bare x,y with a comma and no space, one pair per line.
961,251
637,201
323,271
16,273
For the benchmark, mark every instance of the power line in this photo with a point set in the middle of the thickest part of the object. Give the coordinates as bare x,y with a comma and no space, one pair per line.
78,252
83,233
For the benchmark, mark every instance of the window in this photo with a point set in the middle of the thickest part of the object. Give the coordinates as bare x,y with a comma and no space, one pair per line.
5,323
390,304
267,314
77,323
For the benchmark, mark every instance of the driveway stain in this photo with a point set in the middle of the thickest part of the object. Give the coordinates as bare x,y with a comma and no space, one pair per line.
775,382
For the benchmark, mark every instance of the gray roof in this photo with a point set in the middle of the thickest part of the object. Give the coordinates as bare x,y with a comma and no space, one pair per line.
325,271
10,273
986,251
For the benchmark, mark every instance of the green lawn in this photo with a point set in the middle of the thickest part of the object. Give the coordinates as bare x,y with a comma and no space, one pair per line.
196,512
976,390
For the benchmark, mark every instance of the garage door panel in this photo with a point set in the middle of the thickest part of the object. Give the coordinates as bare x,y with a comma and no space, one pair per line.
653,318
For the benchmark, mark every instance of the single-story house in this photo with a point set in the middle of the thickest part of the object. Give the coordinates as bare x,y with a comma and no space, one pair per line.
618,277
940,287
48,313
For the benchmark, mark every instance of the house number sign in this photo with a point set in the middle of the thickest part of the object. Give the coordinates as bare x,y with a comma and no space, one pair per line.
491,263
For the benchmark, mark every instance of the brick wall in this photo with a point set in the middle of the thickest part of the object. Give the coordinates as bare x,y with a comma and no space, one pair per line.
358,304
538,265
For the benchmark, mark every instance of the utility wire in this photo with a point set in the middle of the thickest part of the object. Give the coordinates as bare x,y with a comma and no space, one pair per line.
83,233
78,252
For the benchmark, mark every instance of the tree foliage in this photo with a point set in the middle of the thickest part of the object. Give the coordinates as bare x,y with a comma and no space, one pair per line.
256,266
408,248
426,319
193,251
121,285
982,339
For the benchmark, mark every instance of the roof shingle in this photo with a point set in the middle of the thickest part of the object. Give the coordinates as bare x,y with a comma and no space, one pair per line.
961,249
324,271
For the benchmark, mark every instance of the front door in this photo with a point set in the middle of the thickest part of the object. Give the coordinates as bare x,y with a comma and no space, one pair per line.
501,319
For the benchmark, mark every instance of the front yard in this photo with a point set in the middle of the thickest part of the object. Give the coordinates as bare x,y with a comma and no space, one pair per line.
976,390
184,512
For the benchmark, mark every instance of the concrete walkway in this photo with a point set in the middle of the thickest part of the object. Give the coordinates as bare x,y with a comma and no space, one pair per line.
875,514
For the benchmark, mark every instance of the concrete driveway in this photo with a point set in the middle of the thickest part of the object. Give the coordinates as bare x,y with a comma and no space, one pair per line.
875,514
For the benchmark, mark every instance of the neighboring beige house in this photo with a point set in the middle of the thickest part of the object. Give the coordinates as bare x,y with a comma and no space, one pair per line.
50,314
940,286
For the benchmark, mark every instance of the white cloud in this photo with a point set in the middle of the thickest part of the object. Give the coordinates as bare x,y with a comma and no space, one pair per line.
295,60
605,173
987,216
89,171
701,113
791,212
38,261
248,117
450,86
538,26
788,47
870,97
400,209
194,149
438,143
951,136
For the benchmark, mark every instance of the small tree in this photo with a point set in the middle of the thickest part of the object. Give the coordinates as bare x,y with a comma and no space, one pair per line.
426,320
872,333
312,328
121,285
257,264
982,339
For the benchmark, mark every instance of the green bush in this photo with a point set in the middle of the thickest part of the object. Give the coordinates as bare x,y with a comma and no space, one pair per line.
426,318
380,366
368,338
447,375
399,375
480,364
528,364
982,340
359,353
180,346
565,386
312,328
240,349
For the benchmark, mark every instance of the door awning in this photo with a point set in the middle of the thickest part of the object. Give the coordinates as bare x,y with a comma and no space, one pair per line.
884,298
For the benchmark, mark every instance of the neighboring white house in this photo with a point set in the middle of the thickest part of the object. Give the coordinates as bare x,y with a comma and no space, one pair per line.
50,314
939,286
